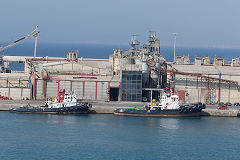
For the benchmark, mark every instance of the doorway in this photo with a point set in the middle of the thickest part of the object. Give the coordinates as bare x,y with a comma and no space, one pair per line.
114,93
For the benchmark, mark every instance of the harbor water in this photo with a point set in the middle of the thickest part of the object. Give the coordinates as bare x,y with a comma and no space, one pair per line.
105,136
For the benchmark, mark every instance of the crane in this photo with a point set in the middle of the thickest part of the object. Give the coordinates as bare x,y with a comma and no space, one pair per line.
30,35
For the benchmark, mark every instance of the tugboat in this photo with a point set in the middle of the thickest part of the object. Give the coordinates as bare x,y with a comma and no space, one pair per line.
65,104
168,107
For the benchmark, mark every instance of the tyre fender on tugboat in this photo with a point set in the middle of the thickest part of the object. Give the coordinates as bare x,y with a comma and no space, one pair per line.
185,109
195,108
180,109
190,109
203,106
199,107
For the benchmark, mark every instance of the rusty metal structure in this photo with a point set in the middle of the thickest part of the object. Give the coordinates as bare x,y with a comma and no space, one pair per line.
201,80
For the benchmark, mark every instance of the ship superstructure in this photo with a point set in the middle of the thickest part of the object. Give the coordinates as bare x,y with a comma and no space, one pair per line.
167,107
65,104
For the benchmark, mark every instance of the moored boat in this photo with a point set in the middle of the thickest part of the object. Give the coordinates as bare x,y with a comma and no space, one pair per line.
168,107
65,104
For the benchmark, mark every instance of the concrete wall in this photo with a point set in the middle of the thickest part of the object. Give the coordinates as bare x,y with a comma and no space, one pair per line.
198,91
39,89
88,67
52,88
84,89
228,93
65,85
90,90
195,94
102,91
78,88
16,93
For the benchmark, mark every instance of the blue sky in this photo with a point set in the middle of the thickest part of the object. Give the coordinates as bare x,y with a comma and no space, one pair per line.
201,23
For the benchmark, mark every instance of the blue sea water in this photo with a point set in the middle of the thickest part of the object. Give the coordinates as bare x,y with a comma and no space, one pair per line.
104,136
103,51
39,137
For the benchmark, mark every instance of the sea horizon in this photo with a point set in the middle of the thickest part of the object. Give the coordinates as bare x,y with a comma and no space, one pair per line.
104,50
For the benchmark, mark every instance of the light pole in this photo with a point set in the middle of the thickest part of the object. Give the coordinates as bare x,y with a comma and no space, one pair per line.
174,46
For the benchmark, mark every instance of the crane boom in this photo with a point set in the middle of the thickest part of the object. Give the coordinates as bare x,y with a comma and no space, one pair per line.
30,35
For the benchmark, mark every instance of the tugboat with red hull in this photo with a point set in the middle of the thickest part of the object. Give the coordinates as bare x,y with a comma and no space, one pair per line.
168,107
65,104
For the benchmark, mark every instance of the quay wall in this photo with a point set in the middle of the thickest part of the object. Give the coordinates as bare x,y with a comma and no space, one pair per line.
221,113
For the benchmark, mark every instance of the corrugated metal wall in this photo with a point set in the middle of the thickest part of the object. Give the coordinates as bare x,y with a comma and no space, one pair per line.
39,89
102,89
65,85
78,88
89,89
16,93
52,88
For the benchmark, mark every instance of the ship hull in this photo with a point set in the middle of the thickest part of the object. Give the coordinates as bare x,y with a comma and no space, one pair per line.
153,113
78,109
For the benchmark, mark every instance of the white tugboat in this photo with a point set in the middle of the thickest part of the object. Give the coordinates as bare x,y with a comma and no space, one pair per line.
168,107
65,104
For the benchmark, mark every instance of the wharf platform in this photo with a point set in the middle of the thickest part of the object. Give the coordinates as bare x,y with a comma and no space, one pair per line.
109,107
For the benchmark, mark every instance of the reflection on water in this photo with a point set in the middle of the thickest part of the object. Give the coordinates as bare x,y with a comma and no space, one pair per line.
160,122
32,136
169,123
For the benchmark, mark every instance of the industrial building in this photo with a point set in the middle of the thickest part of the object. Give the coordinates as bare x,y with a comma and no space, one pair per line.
125,76
138,74
207,82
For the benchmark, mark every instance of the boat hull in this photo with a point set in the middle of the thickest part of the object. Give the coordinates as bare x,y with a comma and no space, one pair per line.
78,109
155,113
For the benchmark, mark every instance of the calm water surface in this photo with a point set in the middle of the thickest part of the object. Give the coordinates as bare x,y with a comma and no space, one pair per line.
36,136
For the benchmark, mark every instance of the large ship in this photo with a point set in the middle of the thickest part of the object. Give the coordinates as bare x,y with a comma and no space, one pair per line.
167,107
65,104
